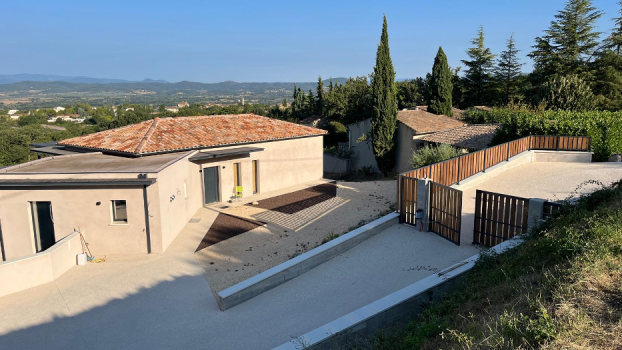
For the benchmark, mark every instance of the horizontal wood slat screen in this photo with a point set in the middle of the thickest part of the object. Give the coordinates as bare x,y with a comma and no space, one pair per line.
452,171
498,217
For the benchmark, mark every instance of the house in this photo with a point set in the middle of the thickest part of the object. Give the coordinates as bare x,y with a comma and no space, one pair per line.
133,189
59,109
15,116
457,113
66,118
129,109
173,109
412,126
472,137
12,111
183,104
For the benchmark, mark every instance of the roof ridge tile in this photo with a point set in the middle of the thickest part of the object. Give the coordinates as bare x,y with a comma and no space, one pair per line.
143,142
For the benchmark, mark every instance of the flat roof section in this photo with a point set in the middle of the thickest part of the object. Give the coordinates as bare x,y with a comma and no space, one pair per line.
96,163
224,153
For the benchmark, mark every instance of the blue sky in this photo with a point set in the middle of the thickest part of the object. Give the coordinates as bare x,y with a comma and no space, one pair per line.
247,41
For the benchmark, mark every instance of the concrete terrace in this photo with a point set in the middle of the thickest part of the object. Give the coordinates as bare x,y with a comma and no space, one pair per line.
163,301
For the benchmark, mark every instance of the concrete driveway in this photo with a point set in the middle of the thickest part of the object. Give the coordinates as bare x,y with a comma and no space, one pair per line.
163,301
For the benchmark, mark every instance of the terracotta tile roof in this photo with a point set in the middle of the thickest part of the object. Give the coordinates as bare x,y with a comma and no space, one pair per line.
423,122
457,112
161,135
474,137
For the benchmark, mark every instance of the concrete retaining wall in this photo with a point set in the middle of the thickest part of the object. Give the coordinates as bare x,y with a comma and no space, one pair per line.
297,266
35,270
334,164
562,156
398,307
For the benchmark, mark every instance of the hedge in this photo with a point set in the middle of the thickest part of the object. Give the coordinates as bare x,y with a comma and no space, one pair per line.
604,127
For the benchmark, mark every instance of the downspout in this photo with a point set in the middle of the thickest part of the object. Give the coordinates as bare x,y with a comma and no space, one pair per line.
2,252
148,231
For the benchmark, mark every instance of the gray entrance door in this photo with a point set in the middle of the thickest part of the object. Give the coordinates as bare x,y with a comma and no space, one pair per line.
210,184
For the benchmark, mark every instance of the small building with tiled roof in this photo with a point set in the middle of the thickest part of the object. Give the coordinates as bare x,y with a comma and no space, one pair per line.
134,188
472,137
412,126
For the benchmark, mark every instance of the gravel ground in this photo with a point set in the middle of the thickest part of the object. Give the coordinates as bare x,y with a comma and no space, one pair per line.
287,235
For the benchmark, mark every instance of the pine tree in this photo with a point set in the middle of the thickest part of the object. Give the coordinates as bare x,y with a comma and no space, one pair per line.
508,69
568,44
614,41
441,87
607,67
384,103
477,79
320,97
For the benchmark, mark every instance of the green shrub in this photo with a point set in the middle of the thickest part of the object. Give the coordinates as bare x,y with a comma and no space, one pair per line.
568,93
337,132
430,155
604,127
339,152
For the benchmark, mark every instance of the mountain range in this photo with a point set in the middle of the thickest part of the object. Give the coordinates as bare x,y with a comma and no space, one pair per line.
17,78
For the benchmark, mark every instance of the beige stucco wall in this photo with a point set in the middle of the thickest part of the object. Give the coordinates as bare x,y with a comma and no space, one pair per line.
406,143
282,163
175,212
363,154
75,208
35,270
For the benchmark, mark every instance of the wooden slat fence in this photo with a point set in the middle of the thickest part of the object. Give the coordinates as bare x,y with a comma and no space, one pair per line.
498,217
445,211
549,208
454,170
408,200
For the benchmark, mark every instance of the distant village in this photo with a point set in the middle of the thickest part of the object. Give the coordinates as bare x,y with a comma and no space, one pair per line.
14,114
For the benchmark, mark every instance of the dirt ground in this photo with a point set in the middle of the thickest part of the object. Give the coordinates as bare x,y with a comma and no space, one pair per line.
288,234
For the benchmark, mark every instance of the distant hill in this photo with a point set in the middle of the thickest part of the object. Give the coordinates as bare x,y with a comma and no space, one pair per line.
48,91
16,78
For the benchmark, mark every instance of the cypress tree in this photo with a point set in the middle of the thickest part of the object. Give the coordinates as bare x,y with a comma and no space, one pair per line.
384,103
320,96
441,87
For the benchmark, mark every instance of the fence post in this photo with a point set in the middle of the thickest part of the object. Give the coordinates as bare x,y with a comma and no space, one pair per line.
535,212
400,188
458,176
507,157
423,201
558,138
530,138
485,151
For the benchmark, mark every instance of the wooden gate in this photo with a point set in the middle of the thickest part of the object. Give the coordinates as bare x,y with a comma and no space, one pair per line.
445,211
498,217
407,199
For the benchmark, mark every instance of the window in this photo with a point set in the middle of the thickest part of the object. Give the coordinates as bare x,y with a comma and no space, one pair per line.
255,176
119,212
237,179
